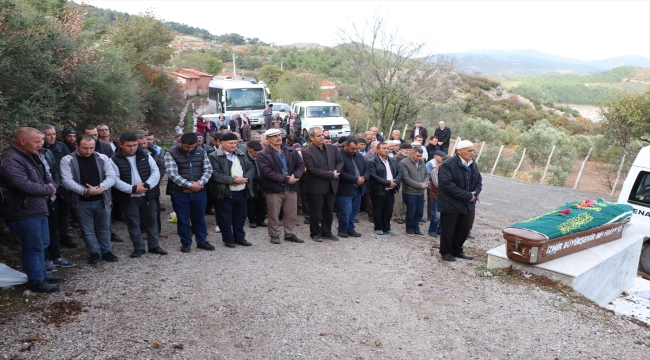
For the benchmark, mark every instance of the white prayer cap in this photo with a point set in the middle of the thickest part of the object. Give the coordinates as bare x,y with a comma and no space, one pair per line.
415,143
463,144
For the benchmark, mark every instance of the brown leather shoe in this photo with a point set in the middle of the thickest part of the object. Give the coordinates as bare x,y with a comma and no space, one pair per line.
163,235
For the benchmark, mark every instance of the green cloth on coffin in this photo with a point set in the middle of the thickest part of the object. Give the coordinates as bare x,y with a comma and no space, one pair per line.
554,224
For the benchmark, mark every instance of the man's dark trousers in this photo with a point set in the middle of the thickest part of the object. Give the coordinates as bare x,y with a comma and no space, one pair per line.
190,206
34,236
383,209
321,211
141,210
414,211
454,230
257,209
142,227
53,251
231,216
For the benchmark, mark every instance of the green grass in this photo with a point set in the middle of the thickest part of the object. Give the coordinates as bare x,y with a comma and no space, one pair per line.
631,87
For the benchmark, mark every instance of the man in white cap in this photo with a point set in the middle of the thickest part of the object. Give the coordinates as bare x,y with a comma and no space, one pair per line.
459,185
280,169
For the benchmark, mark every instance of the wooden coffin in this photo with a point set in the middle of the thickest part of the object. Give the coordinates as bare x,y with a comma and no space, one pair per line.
532,248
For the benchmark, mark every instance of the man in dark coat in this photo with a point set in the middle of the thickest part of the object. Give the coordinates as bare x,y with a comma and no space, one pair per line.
352,186
69,137
324,164
443,134
257,203
385,176
26,188
459,185
418,130
280,168
231,186
59,150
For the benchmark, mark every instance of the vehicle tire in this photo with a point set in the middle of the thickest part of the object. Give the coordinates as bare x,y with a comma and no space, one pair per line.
645,259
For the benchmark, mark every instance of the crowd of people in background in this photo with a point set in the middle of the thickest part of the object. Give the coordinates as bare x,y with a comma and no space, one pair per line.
227,170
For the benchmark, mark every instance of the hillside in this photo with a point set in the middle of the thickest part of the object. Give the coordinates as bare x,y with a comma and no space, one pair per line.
528,62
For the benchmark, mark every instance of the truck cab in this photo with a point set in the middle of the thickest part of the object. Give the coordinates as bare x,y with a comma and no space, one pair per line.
322,114
636,192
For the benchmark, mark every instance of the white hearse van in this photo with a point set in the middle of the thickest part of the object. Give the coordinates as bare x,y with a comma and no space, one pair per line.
325,115
636,192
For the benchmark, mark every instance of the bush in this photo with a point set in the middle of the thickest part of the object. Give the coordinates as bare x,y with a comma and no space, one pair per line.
536,175
556,175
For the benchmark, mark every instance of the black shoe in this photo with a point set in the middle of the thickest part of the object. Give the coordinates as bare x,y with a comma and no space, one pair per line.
317,238
158,250
243,242
116,238
209,212
43,287
331,236
399,221
342,234
410,233
294,238
62,262
252,225
448,257
230,244
186,247
354,233
109,256
371,219
464,256
68,244
356,221
137,253
306,221
53,279
275,240
205,246
418,233
163,209
263,224
94,258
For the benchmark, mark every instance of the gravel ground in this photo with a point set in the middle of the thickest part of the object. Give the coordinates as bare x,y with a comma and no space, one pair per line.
365,298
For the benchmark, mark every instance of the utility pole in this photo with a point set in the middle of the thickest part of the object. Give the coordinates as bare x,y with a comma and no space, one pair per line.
281,68
234,69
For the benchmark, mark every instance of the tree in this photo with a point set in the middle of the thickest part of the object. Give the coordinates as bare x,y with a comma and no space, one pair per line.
144,40
627,119
395,76
292,87
270,74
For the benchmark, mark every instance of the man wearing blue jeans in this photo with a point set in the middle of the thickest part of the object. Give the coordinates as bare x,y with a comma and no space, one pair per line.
231,186
414,184
352,185
189,170
26,188
89,176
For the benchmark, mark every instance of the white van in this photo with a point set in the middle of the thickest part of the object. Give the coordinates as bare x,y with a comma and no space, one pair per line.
636,192
322,114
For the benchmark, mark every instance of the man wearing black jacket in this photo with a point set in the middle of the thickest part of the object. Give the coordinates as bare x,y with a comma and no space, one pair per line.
443,134
352,185
385,176
136,188
459,185
257,203
59,150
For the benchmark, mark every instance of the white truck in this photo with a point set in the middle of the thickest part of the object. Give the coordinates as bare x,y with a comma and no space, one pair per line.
636,192
322,114
229,97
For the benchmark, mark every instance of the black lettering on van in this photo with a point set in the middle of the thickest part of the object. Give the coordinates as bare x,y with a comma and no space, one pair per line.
642,213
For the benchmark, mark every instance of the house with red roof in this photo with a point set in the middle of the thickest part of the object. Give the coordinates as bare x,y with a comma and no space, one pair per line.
194,82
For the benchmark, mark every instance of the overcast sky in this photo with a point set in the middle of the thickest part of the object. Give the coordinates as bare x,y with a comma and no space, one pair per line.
586,30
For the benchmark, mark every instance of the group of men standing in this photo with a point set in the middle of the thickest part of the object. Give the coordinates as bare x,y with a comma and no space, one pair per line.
40,184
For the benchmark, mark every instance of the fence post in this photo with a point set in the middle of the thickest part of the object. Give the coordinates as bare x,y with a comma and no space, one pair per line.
404,133
523,154
618,176
496,161
355,126
367,125
453,150
391,127
480,152
548,163
582,167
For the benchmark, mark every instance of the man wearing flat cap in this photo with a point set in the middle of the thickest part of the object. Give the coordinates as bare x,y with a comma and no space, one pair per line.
459,185
280,169
231,187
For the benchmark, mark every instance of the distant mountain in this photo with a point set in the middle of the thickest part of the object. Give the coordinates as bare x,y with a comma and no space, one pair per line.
528,62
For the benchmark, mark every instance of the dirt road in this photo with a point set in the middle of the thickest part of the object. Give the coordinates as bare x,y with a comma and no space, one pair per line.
366,298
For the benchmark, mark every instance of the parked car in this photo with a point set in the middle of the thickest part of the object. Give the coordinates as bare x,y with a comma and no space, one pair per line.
281,108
